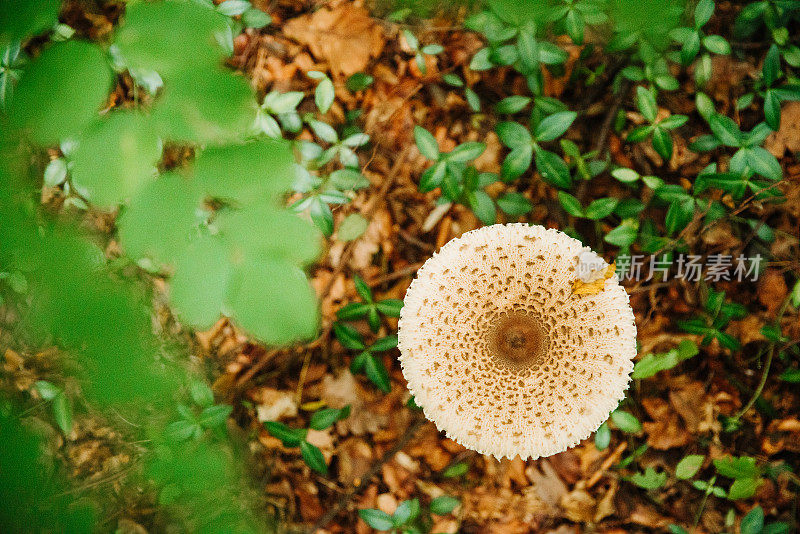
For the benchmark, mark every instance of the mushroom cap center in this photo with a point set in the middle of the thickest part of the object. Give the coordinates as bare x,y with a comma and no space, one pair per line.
518,339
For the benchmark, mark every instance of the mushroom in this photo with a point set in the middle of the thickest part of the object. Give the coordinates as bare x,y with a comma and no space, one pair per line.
499,351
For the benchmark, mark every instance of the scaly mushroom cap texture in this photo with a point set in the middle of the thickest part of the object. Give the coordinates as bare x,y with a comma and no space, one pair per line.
499,352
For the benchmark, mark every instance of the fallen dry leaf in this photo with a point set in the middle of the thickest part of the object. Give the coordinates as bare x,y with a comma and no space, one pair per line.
346,37
579,287
788,135
344,390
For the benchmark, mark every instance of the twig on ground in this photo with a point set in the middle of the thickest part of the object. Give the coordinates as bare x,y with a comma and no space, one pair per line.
369,210
373,470
396,275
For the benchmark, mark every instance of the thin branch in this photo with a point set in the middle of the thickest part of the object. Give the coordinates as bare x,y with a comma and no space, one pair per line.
367,478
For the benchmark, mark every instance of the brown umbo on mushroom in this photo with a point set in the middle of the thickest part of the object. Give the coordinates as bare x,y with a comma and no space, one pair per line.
502,354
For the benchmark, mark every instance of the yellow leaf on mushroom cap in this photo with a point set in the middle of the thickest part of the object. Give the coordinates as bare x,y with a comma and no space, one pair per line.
500,352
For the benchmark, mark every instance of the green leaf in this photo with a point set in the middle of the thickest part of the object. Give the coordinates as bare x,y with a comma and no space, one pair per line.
764,163
555,125
516,163
348,336
704,104
61,91
640,133
359,81
289,437
326,417
626,421
159,220
324,95
181,430
466,152
646,103
673,121
313,457
625,175
147,43
353,311
444,505
650,364
570,204
55,173
689,466
426,143
623,235
574,25
551,54
481,61
772,109
205,106
473,100
232,8
453,80
115,156
512,104
725,130
23,18
513,135
743,488
245,173
324,131
601,208
737,467
384,344
679,214
553,169
602,438
483,206
214,416
411,39
200,282
650,479
352,227
753,522
260,295
432,177
62,412
377,374
703,12
377,519
201,394
456,470
406,511
47,390
255,18
432,49
514,204
690,48
528,51
390,307
717,44
771,70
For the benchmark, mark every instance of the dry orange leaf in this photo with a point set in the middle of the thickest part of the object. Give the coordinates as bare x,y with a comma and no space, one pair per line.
346,37
579,287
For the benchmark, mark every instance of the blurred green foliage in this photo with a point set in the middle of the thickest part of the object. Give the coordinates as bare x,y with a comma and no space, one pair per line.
213,221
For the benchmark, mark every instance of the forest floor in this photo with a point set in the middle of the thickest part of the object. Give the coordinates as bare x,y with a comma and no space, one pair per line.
385,452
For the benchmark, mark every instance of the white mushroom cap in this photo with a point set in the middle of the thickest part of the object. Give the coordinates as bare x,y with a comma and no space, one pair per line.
499,352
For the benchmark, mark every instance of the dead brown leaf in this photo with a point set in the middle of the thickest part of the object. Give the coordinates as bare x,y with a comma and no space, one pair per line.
346,37
666,431
788,135
344,390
